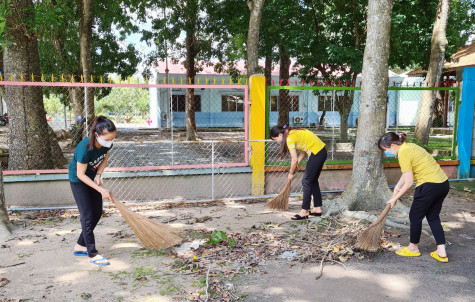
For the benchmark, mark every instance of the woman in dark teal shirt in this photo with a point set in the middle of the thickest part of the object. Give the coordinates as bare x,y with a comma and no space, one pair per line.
85,169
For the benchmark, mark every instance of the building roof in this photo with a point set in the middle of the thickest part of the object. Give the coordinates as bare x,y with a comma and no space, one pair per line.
208,69
464,57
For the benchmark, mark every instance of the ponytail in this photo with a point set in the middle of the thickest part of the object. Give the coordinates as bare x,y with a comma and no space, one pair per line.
276,130
100,125
391,138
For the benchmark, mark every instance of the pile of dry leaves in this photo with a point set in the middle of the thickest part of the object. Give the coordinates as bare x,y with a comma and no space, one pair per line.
228,254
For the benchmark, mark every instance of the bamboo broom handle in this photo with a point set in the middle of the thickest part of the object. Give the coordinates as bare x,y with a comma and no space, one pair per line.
383,214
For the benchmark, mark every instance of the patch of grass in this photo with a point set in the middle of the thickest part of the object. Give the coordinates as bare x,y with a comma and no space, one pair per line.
463,186
21,256
365,221
120,275
142,272
86,296
49,222
147,253
242,296
169,290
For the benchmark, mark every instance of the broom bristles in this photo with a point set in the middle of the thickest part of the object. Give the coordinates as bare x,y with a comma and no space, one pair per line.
370,239
281,201
152,234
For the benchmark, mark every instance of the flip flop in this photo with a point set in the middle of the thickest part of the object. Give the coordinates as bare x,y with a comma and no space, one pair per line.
437,257
405,252
80,253
96,262
315,214
298,217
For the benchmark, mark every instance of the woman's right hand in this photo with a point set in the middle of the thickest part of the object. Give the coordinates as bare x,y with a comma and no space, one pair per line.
290,177
396,190
107,194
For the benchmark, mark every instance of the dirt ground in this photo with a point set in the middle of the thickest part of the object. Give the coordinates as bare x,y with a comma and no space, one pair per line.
37,262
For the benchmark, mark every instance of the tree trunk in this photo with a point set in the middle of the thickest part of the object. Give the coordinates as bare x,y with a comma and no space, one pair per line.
255,6
4,221
30,142
284,97
268,70
85,48
368,188
437,53
192,50
343,105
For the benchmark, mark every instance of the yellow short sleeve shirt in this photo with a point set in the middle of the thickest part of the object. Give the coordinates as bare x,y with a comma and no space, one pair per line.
304,140
423,166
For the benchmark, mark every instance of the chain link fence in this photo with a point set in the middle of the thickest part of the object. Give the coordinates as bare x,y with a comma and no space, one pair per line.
332,114
152,160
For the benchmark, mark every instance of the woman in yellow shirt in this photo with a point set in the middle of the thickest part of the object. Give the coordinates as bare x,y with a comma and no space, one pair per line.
293,139
432,187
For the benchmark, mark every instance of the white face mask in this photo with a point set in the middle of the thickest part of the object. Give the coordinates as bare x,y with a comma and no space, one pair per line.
103,143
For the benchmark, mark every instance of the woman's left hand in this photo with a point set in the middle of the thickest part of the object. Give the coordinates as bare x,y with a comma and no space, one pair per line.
392,202
98,180
291,177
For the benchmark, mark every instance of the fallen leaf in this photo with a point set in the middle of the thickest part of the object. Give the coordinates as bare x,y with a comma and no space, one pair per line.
141,279
4,281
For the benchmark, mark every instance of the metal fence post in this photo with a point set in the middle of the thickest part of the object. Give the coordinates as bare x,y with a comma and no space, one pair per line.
65,119
212,170
86,128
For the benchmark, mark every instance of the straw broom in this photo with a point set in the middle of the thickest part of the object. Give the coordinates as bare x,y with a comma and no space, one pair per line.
370,239
281,201
152,234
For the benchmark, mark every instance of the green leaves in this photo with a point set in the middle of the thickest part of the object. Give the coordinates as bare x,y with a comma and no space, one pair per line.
220,237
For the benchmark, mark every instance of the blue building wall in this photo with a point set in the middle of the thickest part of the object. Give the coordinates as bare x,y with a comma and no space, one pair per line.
211,115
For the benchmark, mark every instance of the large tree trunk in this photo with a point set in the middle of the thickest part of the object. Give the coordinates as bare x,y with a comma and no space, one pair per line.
30,142
192,50
85,48
4,221
284,97
368,188
255,6
437,53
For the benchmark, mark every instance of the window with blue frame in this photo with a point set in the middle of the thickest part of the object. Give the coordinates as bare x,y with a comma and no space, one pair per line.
179,103
294,103
230,103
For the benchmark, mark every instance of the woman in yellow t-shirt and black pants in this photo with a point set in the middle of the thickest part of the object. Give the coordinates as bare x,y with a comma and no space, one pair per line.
432,186
293,139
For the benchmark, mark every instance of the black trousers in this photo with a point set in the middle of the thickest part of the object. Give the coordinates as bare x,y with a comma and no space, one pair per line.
428,200
89,203
310,184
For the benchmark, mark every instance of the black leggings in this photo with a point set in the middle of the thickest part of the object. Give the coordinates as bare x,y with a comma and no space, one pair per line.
428,200
310,184
89,203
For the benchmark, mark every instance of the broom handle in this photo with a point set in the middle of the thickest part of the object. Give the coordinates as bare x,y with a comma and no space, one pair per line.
383,214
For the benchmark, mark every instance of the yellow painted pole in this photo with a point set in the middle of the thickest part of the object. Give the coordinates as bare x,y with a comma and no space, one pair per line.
258,132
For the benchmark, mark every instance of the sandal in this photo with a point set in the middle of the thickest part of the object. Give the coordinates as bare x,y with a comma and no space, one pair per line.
80,253
405,252
437,257
298,217
315,214
96,262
